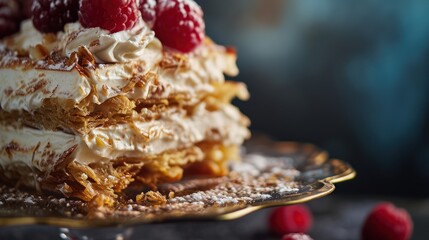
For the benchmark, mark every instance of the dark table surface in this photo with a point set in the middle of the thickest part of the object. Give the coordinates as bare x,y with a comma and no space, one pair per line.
335,217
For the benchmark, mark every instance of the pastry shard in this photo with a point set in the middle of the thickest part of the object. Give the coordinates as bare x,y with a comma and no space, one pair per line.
86,113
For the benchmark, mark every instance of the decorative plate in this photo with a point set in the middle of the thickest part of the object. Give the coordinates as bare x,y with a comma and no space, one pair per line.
270,174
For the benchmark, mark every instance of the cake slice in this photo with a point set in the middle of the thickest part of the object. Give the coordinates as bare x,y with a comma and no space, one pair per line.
89,110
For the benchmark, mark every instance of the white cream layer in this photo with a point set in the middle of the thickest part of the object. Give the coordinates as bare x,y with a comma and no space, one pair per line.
25,89
173,130
135,51
37,149
42,149
108,80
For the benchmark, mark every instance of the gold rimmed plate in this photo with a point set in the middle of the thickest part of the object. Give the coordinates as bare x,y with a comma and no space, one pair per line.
271,174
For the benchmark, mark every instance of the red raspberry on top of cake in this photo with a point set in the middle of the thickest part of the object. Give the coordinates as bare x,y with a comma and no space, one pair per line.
114,15
178,24
51,16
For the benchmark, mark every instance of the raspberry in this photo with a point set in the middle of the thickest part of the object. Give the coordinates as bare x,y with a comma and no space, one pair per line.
291,219
179,24
388,223
296,236
9,17
51,16
26,8
114,15
148,11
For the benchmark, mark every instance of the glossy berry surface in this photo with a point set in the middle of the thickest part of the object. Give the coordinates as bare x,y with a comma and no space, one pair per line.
290,219
26,8
179,24
388,223
296,236
9,17
52,15
114,15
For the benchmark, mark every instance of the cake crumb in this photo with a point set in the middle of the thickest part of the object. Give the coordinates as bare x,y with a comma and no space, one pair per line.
151,198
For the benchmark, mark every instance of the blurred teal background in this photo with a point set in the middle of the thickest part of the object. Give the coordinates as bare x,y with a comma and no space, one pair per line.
350,76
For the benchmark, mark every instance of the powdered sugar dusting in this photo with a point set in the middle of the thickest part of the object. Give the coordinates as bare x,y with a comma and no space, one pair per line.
257,178
166,4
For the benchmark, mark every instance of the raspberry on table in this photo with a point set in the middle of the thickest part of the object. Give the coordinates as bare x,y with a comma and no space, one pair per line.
9,17
388,223
114,15
179,24
290,219
296,236
148,11
51,16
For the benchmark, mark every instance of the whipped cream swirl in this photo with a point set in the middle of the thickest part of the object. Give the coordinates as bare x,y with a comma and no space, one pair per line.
138,43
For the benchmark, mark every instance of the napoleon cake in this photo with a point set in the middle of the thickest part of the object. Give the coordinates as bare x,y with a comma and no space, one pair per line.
96,97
